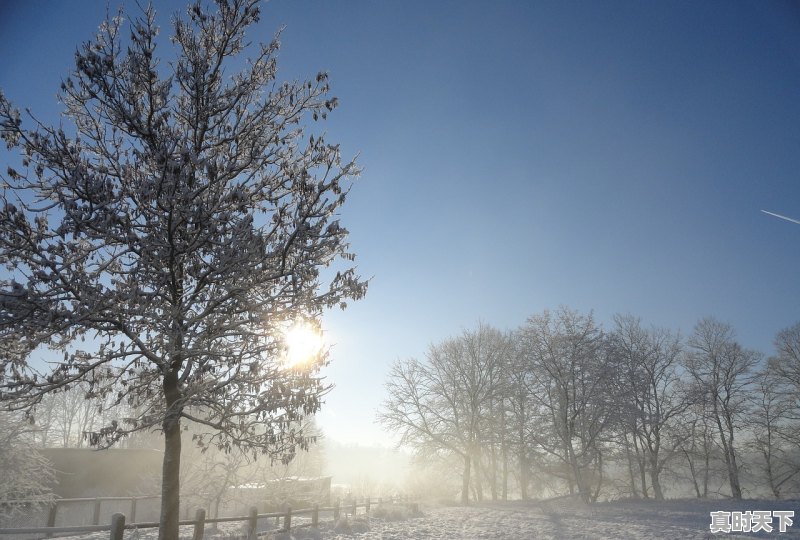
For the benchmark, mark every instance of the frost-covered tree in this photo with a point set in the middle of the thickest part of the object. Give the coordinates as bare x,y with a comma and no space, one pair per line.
773,432
786,363
652,395
439,406
721,370
572,390
63,419
163,239
26,478
522,423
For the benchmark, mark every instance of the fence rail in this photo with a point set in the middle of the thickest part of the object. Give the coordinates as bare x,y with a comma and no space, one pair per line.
118,522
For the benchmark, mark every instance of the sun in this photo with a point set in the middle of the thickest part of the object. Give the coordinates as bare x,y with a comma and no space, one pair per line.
304,343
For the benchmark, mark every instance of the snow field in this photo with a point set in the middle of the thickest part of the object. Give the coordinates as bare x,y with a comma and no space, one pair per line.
559,519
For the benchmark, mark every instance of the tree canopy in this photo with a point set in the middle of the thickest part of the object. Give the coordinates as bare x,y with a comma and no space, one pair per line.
163,241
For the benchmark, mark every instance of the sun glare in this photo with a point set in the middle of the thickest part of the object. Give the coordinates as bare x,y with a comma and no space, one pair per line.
303,344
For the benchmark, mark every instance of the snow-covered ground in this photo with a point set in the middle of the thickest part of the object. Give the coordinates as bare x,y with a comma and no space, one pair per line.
564,518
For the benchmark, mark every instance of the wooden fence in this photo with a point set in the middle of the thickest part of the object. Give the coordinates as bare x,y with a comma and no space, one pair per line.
97,502
118,521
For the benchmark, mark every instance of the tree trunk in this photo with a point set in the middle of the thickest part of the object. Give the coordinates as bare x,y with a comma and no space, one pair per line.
657,492
707,468
733,475
653,451
733,468
728,452
523,463
577,475
478,477
504,451
631,474
767,453
692,472
571,467
170,487
464,480
493,474
596,493
640,464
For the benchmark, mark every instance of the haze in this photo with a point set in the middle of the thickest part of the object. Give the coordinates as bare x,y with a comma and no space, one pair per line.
626,158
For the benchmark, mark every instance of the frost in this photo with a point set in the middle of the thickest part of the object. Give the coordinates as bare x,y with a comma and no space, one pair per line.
155,236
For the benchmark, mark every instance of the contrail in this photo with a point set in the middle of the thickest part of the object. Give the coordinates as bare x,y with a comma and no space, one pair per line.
782,217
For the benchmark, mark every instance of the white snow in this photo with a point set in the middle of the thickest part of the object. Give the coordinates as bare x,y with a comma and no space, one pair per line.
563,518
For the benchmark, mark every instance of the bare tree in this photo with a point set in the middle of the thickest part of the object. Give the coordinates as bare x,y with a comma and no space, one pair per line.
440,405
786,363
572,373
695,440
180,223
721,370
651,391
67,418
774,429
519,406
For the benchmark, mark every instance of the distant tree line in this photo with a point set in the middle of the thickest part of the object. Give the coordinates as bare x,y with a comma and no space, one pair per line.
562,405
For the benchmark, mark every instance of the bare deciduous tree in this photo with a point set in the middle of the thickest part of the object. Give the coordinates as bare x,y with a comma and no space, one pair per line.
180,222
440,404
67,418
786,363
572,384
721,369
773,429
695,441
520,426
651,391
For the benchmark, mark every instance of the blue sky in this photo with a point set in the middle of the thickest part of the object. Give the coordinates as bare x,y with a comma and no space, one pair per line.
519,156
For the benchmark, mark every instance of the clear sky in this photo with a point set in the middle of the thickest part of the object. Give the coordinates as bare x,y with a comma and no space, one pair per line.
523,155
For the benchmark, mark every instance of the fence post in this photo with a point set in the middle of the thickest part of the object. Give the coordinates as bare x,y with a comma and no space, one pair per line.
117,526
199,524
354,507
96,518
133,509
252,523
51,517
367,505
287,521
315,517
336,509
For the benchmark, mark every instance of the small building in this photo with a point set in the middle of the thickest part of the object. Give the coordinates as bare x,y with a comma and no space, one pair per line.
115,472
